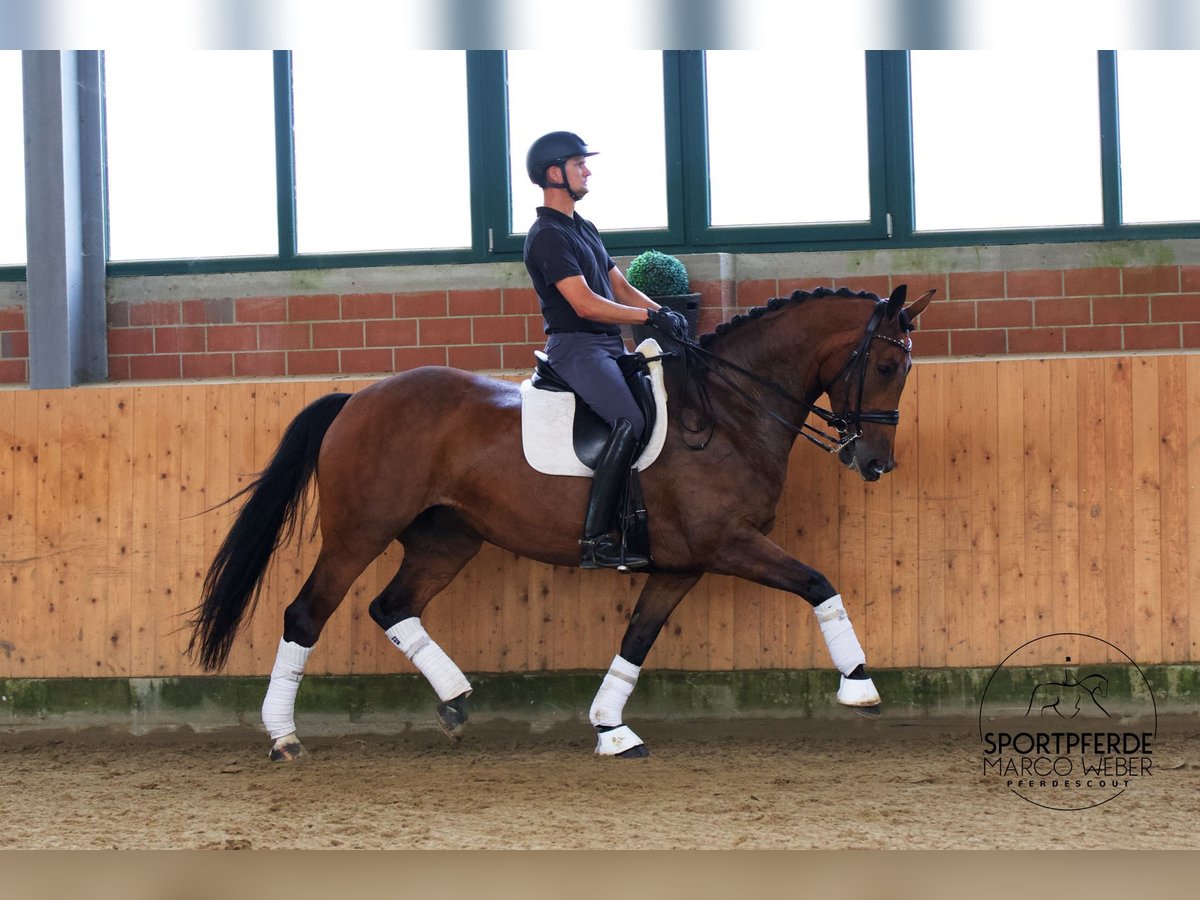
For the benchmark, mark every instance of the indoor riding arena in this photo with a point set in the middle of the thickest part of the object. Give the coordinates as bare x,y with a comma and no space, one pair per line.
1025,583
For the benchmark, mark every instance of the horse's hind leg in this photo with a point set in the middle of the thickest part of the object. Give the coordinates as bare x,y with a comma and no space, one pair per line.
303,620
436,547
660,595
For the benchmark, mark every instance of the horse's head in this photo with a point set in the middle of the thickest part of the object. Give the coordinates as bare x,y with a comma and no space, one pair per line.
864,375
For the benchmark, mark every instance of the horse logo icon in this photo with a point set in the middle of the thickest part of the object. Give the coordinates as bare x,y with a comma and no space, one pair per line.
1069,697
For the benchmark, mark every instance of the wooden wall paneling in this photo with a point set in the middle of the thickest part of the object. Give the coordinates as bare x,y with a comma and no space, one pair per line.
1063,429
539,636
903,576
97,491
1010,472
1147,544
11,592
984,599
565,592
747,602
1173,614
931,526
876,627
1039,617
482,581
1119,524
73,642
1064,489
52,635
1193,506
117,567
720,595
1093,499
513,598
22,580
143,540
92,479
169,611
689,648
962,410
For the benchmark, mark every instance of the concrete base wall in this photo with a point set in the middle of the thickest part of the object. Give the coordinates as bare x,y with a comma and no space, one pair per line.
396,703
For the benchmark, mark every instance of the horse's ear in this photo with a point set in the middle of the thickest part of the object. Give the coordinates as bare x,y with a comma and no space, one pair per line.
896,301
918,305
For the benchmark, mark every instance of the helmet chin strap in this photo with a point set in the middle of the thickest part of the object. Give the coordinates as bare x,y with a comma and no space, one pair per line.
566,185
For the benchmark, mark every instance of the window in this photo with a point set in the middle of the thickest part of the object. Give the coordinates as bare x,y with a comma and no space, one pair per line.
381,145
1160,138
614,101
191,154
12,161
1005,139
787,143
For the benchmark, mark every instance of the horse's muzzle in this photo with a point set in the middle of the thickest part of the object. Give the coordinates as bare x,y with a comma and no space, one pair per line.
872,469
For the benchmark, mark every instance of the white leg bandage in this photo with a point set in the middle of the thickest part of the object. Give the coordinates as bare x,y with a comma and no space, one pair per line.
279,706
844,648
447,679
609,705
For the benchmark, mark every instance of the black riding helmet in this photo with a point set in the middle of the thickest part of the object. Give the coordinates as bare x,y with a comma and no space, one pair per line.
554,149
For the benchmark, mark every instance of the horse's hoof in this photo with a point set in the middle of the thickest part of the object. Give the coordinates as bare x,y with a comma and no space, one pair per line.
641,751
288,749
452,716
858,693
620,741
869,712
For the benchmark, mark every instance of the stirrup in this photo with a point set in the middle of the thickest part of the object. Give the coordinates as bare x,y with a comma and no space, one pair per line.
603,552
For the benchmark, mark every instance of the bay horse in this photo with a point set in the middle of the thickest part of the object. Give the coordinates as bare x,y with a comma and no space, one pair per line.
432,458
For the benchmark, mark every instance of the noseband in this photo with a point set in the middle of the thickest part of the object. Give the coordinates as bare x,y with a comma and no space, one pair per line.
847,425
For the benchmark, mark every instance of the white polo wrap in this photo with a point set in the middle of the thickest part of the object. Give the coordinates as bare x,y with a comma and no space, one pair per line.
844,648
609,705
446,678
279,706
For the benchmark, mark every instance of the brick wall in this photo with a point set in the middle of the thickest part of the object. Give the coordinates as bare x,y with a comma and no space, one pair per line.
991,312
322,334
1036,312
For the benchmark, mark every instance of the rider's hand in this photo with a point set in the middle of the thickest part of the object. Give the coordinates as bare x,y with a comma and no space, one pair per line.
669,322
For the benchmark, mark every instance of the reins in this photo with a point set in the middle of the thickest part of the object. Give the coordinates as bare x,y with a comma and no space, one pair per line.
697,361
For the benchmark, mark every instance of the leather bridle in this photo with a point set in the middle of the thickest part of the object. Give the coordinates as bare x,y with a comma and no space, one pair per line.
848,425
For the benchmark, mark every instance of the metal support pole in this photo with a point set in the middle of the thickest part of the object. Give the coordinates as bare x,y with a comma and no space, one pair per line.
64,193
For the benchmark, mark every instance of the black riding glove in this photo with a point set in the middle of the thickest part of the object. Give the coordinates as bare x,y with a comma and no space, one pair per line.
669,322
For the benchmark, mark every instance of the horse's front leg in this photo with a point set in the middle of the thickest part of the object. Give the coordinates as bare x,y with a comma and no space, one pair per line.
754,557
660,595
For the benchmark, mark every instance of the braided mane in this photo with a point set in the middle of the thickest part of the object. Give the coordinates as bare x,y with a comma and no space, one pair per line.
796,297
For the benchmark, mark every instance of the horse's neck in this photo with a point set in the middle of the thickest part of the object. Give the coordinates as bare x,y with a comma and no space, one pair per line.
783,347
764,422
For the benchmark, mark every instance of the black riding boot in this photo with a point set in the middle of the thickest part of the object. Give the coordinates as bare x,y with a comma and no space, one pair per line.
599,547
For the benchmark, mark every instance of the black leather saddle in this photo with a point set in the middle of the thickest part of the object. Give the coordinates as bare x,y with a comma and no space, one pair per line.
590,432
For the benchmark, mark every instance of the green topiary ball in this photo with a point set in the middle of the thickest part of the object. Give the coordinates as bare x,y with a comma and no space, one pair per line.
658,274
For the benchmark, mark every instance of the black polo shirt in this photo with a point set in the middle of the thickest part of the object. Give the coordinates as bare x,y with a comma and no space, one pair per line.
560,246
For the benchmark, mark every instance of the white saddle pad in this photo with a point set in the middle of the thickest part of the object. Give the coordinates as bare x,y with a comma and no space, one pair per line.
548,420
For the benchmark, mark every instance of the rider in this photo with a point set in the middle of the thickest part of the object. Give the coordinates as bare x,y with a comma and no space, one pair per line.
585,299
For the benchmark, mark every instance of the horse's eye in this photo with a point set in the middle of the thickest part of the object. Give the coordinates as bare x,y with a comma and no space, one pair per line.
886,370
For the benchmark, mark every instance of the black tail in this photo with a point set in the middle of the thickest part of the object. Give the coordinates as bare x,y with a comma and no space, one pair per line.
265,523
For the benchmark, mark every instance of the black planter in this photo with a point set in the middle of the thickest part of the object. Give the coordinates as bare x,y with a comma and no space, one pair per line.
688,304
